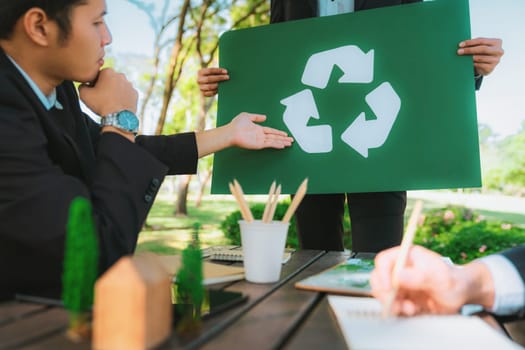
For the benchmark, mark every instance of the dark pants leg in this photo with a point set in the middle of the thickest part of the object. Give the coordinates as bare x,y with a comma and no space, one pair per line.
377,220
319,221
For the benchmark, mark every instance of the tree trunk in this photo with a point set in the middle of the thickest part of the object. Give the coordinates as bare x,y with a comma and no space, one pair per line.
207,178
181,208
174,68
151,84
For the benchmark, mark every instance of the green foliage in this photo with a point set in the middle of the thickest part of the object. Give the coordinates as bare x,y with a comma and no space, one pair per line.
204,22
462,235
231,230
189,281
506,164
456,232
513,149
442,220
187,106
494,179
260,14
80,258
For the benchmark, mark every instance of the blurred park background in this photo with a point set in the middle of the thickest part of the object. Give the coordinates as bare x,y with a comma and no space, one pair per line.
161,44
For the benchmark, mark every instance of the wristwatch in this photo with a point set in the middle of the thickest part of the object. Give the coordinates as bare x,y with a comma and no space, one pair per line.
124,120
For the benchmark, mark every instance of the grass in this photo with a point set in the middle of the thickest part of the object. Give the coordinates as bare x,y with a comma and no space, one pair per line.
165,233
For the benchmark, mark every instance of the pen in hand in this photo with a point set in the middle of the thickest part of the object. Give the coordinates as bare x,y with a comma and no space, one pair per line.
408,238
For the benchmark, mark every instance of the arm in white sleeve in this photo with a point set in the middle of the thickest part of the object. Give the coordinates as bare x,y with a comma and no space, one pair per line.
508,284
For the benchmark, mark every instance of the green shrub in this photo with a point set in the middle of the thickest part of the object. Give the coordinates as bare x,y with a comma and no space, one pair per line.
231,230
442,221
455,232
230,225
462,235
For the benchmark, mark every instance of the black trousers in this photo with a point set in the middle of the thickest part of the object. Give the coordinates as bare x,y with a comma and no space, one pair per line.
376,219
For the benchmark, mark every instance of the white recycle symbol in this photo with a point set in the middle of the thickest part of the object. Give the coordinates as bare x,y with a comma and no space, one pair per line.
361,134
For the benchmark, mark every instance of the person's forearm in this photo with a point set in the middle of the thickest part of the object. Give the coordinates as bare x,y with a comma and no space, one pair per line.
213,140
478,284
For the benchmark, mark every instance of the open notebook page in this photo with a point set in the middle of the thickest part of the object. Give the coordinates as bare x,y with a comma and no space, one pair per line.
363,328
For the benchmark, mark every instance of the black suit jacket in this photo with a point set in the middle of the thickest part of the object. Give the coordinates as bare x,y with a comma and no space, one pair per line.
287,10
47,158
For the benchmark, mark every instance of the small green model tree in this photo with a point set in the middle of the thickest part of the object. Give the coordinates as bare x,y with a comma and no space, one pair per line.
80,267
189,286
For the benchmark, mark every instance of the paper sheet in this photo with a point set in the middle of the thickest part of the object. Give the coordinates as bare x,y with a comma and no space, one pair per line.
363,328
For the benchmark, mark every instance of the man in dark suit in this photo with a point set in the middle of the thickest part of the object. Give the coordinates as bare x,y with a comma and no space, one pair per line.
428,284
376,217
50,152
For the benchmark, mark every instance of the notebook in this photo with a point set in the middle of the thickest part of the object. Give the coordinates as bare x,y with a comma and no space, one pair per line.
213,273
363,328
234,253
351,277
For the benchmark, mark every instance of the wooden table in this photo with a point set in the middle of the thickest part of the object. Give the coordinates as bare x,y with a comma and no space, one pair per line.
275,316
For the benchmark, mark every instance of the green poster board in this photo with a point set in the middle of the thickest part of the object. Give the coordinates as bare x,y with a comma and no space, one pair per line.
376,100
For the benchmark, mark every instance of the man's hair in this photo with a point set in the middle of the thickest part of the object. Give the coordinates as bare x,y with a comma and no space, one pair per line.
57,10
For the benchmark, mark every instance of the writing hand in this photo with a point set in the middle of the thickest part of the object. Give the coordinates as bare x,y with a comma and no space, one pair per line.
427,284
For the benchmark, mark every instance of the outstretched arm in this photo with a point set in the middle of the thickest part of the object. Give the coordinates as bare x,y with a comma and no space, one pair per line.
243,132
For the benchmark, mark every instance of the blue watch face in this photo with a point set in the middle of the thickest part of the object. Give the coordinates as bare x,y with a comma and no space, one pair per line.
128,121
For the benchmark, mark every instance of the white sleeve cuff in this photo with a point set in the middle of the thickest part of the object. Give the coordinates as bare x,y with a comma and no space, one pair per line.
508,285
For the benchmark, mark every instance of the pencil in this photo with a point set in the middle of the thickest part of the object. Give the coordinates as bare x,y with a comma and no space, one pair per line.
242,200
235,194
273,206
408,238
301,191
268,203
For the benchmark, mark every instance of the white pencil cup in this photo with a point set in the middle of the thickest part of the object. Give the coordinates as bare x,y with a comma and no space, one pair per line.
263,246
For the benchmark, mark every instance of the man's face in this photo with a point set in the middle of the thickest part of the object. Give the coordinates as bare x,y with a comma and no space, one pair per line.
81,55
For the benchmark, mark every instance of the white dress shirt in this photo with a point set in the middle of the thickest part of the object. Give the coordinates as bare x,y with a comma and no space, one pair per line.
335,7
508,285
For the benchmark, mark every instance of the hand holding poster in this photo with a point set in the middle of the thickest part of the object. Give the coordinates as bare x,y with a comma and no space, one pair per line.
376,100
